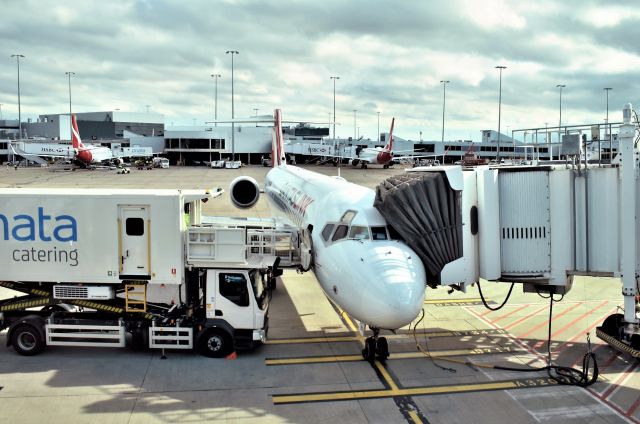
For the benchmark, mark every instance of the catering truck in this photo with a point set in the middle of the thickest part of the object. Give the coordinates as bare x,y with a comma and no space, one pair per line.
139,268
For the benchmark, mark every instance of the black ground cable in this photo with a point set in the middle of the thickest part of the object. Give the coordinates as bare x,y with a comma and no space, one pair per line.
560,374
428,352
486,305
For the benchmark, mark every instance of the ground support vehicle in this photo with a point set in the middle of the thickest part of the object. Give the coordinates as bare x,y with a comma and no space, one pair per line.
131,268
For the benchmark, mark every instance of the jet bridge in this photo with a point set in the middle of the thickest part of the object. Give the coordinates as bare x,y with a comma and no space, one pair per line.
540,226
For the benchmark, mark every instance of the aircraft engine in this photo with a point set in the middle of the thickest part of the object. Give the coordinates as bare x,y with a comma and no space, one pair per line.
117,161
244,192
355,162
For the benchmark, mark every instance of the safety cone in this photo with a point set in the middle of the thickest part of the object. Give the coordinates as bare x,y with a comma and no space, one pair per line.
232,355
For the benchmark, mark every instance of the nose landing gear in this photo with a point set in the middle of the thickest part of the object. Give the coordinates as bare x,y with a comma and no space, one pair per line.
375,347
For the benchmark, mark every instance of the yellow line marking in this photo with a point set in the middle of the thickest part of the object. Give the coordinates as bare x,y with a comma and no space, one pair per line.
404,355
414,416
386,376
373,394
350,323
314,340
390,336
471,299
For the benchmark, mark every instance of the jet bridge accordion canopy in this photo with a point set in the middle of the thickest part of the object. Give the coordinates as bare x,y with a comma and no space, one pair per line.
426,213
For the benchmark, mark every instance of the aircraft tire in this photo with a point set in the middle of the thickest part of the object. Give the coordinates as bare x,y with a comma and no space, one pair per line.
382,349
369,351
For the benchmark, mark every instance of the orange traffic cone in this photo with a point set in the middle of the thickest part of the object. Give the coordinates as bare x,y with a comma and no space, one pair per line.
232,355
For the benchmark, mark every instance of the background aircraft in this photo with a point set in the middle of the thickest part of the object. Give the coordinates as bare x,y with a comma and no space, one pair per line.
85,156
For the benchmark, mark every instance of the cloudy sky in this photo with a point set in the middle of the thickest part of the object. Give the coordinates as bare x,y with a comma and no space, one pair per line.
390,57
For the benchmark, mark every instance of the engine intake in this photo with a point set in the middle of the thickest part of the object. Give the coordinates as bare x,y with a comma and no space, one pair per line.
244,192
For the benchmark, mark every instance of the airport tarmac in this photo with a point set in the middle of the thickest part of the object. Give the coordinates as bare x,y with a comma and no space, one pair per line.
311,369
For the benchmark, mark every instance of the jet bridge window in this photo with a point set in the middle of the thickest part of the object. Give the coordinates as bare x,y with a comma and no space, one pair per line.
134,226
326,232
378,233
341,232
234,288
359,233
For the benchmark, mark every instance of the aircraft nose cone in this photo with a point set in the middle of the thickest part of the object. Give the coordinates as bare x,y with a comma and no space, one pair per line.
398,284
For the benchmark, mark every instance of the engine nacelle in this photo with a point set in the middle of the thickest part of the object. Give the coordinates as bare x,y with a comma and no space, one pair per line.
244,192
355,162
117,161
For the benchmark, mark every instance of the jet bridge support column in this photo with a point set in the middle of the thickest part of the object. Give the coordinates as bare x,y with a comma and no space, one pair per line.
629,212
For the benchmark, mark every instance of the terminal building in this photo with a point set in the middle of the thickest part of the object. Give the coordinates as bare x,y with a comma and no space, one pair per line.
250,143
110,129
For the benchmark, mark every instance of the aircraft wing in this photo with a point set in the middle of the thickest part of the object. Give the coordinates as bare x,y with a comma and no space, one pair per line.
416,156
48,150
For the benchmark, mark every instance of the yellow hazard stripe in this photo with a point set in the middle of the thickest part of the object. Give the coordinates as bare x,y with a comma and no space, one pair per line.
24,304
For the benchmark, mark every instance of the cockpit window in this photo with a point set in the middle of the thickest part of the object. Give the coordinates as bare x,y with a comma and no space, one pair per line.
341,232
359,233
348,216
393,234
326,232
379,233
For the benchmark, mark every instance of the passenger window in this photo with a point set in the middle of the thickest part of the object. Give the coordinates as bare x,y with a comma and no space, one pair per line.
359,233
134,226
341,232
234,288
326,233
378,233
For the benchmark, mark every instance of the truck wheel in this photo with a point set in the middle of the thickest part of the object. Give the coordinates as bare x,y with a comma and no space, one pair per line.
26,340
215,343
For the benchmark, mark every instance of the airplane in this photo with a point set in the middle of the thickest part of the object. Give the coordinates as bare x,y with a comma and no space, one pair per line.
375,279
84,156
377,155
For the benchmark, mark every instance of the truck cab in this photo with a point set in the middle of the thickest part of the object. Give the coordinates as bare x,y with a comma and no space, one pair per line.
236,308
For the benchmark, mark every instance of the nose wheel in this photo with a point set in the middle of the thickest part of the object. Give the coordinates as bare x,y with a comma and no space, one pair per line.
375,347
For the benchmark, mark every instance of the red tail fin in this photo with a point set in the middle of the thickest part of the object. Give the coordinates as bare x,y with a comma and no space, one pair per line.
389,146
277,144
75,134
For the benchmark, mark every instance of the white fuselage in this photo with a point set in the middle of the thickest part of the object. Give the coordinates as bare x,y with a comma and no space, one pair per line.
376,280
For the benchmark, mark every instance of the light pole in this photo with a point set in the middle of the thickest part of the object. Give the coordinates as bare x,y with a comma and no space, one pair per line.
499,67
607,89
444,98
68,74
378,126
0,111
215,97
18,56
355,134
560,86
233,146
334,78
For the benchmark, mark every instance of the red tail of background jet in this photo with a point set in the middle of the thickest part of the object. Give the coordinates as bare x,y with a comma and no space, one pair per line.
82,154
389,145
277,143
